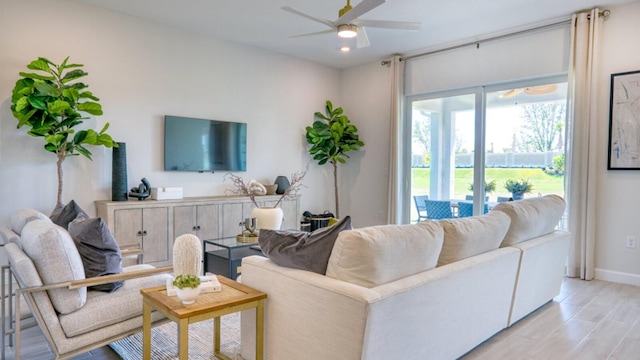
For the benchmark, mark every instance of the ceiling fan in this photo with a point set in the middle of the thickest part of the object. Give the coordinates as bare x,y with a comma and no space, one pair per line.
349,25
532,90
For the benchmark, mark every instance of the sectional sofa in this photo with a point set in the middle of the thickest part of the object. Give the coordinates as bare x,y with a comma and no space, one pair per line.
432,290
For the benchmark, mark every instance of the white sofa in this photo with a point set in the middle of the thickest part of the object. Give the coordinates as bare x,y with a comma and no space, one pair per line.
373,304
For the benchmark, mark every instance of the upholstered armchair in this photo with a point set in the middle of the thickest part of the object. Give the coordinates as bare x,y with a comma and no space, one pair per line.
48,271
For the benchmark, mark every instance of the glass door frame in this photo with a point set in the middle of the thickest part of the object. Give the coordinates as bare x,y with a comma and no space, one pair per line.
479,135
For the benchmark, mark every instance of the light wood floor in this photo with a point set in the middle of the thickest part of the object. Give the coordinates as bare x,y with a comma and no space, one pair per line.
588,320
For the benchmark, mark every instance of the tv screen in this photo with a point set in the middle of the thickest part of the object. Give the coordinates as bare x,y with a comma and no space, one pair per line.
204,145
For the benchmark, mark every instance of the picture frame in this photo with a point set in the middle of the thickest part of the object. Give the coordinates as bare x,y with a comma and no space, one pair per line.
624,122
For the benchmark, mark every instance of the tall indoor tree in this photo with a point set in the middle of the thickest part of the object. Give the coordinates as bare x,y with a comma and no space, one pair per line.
331,137
50,101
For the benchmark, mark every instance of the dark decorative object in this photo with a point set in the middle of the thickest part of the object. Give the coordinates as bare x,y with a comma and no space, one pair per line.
119,173
142,191
283,184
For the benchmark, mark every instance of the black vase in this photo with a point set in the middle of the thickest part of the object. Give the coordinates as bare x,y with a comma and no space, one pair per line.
283,184
119,186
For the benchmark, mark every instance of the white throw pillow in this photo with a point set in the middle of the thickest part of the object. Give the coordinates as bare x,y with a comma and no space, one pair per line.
377,255
531,218
471,236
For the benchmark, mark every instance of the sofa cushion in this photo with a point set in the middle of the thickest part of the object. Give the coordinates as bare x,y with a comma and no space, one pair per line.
376,255
471,236
57,260
63,215
98,249
300,249
531,218
123,304
21,217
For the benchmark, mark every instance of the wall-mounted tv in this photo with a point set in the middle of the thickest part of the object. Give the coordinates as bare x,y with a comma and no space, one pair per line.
204,145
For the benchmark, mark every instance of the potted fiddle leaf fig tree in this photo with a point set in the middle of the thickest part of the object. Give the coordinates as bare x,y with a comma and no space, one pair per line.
50,101
331,137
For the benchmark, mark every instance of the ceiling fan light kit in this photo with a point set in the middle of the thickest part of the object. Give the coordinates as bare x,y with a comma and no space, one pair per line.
348,24
347,31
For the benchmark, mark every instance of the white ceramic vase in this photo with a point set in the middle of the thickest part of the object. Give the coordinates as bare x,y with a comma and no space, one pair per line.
188,295
268,218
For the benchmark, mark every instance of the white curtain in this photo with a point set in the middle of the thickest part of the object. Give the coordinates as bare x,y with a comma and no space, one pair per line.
582,140
394,212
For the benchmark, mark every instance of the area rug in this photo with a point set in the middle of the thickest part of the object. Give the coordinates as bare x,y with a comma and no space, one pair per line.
164,341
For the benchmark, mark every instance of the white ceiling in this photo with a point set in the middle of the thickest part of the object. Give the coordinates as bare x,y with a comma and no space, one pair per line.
262,23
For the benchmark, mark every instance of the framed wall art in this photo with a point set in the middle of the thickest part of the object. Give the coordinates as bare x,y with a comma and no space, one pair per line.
624,122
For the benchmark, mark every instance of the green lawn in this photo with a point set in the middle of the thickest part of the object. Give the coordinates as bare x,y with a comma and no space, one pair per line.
542,183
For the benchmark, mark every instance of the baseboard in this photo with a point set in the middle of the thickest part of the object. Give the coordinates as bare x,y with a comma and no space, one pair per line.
618,277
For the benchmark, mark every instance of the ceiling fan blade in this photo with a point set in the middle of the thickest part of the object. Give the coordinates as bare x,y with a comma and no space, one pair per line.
315,33
362,40
399,25
541,89
358,10
329,23
511,93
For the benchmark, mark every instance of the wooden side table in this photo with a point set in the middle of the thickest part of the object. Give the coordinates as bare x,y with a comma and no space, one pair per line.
234,297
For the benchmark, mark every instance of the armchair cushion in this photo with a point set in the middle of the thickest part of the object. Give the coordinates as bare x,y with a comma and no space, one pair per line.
302,250
57,260
98,249
104,309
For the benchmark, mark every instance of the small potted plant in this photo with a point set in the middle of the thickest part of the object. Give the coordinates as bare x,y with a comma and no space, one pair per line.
489,187
187,288
518,188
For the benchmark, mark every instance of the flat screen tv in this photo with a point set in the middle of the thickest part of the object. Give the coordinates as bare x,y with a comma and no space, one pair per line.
204,145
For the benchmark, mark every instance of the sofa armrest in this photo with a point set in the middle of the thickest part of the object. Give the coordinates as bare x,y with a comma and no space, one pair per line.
305,313
542,268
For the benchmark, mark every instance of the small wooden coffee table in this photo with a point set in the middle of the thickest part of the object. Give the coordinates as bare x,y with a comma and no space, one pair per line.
234,297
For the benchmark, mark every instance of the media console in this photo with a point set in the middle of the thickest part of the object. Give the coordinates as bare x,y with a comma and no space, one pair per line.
153,225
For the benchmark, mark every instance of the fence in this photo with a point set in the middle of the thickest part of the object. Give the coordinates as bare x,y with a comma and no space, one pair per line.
499,160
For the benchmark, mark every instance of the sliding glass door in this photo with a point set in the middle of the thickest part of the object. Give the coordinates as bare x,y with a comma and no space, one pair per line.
477,147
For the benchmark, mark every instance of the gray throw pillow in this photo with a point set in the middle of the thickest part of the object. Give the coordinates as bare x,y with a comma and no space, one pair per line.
98,249
302,250
63,215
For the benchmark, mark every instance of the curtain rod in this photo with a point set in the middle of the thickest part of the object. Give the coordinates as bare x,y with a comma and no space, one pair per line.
476,43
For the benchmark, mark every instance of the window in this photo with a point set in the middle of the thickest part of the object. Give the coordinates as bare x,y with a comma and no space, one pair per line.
518,127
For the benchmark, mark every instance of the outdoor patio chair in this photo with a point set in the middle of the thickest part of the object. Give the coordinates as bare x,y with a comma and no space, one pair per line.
422,211
465,208
438,209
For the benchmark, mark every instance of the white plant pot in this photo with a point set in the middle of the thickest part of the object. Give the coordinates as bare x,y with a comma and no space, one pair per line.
268,218
188,295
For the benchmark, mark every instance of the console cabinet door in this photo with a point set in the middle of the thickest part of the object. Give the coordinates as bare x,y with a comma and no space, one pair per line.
232,216
184,220
128,228
155,239
207,220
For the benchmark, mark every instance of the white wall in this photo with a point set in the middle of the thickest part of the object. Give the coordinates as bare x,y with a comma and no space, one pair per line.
618,194
141,71
363,194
